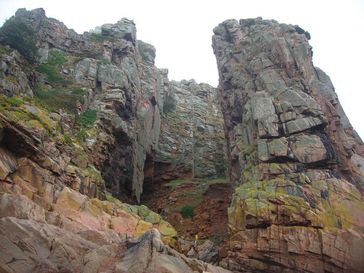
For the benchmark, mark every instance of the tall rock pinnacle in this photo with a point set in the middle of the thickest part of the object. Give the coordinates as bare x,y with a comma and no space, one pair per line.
295,158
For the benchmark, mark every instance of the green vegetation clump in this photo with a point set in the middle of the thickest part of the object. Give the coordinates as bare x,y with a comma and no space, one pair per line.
93,173
51,68
3,50
11,78
81,135
187,211
17,110
105,62
176,183
14,101
87,118
18,35
67,139
59,98
98,37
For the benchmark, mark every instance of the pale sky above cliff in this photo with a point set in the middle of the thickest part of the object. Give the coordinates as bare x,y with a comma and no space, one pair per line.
181,32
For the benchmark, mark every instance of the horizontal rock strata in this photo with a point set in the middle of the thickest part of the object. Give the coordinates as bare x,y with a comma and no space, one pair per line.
298,205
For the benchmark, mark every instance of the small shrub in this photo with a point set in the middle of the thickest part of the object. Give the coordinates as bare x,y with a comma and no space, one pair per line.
187,211
18,35
96,37
14,101
3,50
52,73
56,58
55,99
105,62
81,135
87,118
11,78
51,68
78,92
67,139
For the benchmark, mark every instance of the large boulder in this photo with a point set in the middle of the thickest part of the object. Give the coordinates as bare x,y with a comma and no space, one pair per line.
148,254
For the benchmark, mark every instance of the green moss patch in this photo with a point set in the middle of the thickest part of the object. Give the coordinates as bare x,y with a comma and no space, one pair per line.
52,67
87,118
98,37
22,112
64,98
187,211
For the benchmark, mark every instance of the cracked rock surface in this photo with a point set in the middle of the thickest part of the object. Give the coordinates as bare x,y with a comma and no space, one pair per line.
298,203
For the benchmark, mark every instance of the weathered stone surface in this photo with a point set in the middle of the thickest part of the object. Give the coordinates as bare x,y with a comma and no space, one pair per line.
207,252
15,79
123,29
149,254
122,83
308,149
192,141
78,236
265,115
294,157
129,94
296,160
86,72
8,163
302,124
147,52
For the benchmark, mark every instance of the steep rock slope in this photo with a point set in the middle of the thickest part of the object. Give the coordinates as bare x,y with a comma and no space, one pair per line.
79,234
295,158
117,76
113,74
192,142
80,119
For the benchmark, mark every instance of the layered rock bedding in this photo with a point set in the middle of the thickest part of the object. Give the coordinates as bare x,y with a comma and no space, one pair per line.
90,129
295,158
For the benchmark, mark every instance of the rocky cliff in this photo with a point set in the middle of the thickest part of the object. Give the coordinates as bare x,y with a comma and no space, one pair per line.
113,74
88,120
192,142
79,129
294,156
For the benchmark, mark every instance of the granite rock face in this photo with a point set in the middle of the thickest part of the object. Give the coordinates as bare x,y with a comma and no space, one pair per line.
192,142
80,119
298,203
295,159
123,86
14,80
120,81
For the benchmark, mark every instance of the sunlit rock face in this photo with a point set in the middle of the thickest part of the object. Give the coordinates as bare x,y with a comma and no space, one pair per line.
295,158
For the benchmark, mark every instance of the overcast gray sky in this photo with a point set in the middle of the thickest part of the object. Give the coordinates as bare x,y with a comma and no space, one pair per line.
181,32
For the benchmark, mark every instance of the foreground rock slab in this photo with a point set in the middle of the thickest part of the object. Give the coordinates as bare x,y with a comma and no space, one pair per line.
82,235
